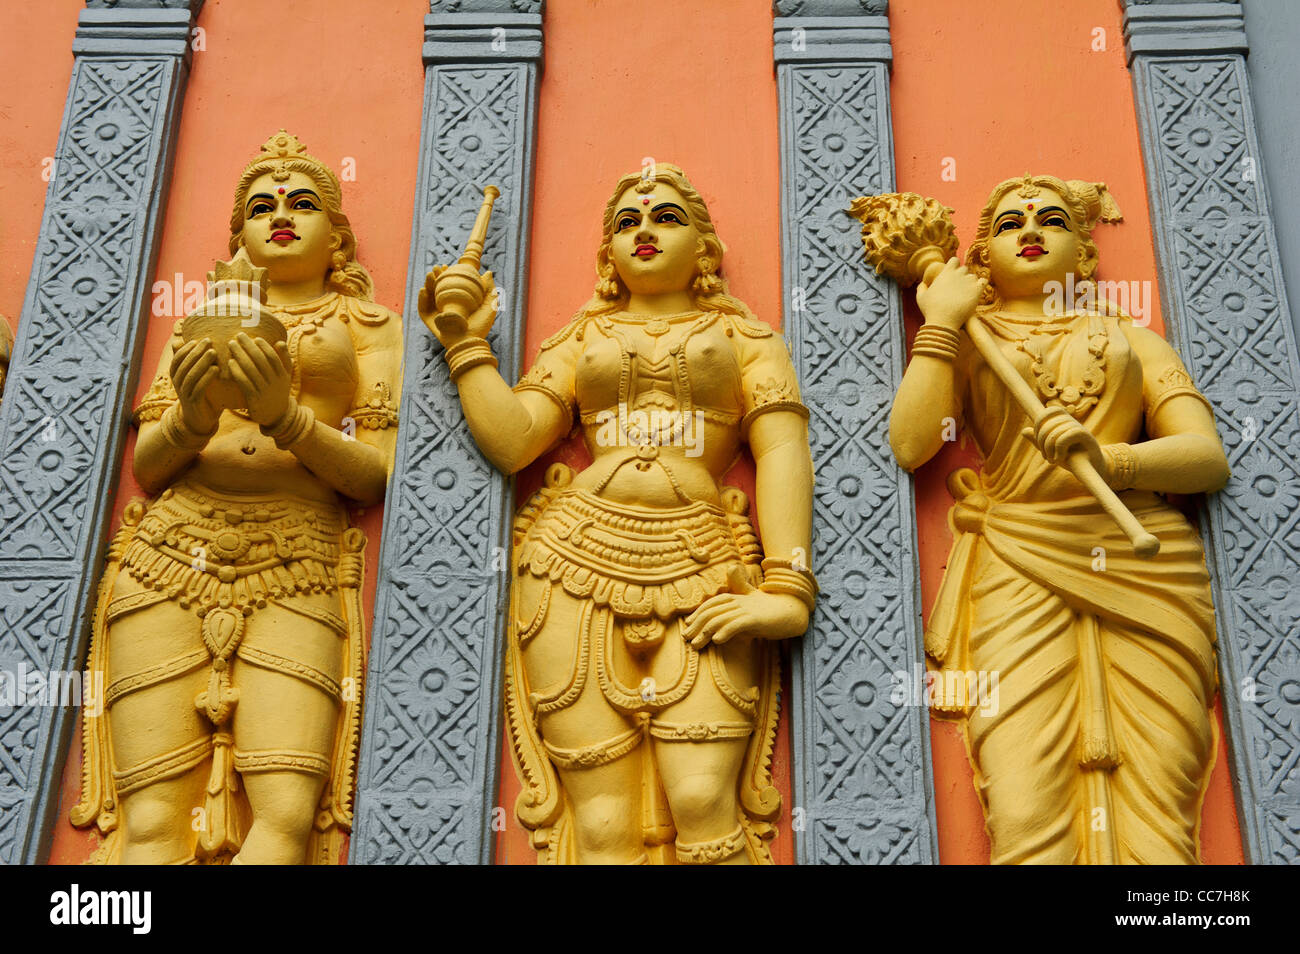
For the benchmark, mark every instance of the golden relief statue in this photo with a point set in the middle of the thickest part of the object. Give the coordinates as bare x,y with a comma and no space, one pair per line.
1070,577
641,676
229,627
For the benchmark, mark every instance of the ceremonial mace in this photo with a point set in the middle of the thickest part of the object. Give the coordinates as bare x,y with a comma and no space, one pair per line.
458,286
909,238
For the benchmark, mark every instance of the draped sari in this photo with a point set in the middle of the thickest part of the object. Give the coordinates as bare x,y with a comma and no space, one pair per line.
1099,744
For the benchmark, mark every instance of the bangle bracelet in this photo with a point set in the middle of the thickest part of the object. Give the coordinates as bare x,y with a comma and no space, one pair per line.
468,353
293,426
936,341
784,576
179,434
1122,465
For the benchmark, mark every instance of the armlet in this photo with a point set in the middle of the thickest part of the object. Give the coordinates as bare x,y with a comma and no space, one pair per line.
378,411
160,396
536,379
773,395
1174,383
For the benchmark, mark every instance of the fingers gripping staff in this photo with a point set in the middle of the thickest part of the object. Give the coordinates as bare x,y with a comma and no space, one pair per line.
926,242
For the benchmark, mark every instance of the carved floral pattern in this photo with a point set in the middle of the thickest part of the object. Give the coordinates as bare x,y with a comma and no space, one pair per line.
1229,321
862,757
59,433
430,740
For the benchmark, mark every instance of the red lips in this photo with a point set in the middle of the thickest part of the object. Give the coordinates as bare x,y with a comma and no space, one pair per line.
282,235
645,251
1031,251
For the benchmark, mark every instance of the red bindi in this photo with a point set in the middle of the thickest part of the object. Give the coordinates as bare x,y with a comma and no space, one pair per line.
282,193
1029,206
645,201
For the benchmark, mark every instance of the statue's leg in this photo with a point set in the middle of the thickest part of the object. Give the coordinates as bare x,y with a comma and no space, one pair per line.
288,669
162,745
594,746
700,745
1023,739
1166,739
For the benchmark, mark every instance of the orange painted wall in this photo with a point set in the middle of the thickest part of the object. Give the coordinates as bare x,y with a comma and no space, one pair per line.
35,66
683,82
1003,88
346,78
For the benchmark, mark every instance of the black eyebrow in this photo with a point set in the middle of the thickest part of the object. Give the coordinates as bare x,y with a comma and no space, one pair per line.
304,192
1009,212
1054,208
627,209
260,195
669,205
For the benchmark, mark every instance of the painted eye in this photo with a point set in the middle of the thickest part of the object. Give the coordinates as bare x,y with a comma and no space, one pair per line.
1055,220
260,209
626,222
305,204
670,217
1008,224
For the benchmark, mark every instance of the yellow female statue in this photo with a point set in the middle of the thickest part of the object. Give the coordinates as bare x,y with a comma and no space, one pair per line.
1098,746
641,678
229,623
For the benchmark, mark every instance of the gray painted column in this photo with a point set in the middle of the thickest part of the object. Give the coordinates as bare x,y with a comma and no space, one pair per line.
1226,312
862,773
74,371
431,737
1272,28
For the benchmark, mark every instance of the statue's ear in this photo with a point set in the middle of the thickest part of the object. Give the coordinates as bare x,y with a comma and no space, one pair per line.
1088,259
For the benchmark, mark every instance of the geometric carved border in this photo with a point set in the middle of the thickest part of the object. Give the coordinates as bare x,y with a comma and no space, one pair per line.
862,772
75,367
1226,311
431,736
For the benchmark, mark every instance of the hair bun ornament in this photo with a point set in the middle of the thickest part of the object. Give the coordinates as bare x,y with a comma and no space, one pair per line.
1101,205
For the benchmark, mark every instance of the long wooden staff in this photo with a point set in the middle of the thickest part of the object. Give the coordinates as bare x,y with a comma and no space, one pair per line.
908,238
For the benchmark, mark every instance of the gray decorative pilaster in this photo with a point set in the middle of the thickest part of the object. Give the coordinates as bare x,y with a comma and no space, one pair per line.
1226,312
73,374
862,773
431,737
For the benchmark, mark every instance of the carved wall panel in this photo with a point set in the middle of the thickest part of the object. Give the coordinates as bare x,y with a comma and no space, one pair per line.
74,368
1222,290
431,739
861,763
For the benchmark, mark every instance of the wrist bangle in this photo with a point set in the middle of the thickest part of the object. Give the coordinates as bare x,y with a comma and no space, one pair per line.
468,353
936,341
784,576
179,434
294,425
1122,465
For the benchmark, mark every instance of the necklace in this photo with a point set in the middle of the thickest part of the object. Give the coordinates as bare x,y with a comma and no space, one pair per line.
1079,398
656,325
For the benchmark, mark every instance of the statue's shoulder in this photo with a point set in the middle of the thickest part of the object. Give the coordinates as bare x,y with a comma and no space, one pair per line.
573,331
372,325
747,326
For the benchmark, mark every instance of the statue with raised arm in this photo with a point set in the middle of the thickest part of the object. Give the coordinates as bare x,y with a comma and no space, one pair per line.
641,672
1071,577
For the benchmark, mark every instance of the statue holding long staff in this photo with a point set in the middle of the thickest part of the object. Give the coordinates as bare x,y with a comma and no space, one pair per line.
1070,576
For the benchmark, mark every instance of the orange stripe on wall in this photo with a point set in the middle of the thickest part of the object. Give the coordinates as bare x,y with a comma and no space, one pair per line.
346,78
1002,88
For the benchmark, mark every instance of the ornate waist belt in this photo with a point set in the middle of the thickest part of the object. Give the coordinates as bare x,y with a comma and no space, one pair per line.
206,549
638,561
